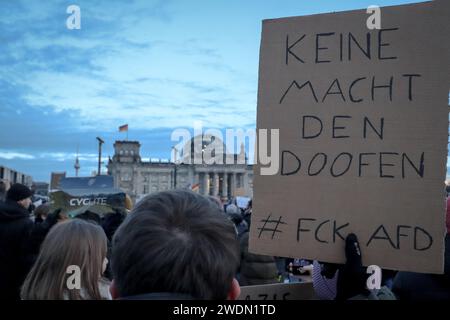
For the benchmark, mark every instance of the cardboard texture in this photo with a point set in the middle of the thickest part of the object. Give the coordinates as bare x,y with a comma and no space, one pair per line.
363,120
278,291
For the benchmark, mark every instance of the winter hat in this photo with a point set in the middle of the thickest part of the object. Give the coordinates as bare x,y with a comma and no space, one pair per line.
18,192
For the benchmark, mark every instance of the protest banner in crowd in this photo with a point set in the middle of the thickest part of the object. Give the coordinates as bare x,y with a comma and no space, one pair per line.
363,123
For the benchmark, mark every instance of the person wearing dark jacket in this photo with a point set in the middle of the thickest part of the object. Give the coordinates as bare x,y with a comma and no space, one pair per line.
420,286
110,223
41,213
234,214
248,213
424,287
20,239
255,269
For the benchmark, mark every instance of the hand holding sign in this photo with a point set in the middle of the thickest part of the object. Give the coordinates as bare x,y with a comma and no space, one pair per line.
352,276
363,126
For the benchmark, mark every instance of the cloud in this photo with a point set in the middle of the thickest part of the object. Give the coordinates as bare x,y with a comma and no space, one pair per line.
117,68
10,155
52,156
128,64
67,156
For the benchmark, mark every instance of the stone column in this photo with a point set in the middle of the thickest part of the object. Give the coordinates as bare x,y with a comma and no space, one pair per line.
233,183
245,183
206,183
215,184
190,175
201,182
117,179
225,186
171,180
134,181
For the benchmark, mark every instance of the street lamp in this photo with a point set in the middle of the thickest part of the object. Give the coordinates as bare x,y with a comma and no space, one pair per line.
175,151
100,142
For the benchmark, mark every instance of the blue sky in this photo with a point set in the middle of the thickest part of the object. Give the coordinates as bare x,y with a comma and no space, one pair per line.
156,65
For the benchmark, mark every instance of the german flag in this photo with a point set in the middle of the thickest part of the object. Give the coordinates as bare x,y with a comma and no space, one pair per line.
123,128
195,187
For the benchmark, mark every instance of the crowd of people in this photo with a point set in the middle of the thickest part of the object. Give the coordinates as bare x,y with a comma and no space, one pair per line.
172,245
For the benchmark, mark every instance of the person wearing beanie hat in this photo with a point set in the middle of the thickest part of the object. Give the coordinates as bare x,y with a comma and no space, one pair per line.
20,194
20,239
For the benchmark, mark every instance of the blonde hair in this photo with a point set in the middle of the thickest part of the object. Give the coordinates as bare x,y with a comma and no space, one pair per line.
74,242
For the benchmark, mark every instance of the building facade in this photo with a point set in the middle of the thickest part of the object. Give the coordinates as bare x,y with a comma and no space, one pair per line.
12,176
139,178
40,188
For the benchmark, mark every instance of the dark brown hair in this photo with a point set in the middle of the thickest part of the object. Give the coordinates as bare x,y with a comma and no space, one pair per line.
42,211
175,242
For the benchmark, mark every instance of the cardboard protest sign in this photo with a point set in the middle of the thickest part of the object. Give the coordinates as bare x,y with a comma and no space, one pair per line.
363,124
73,202
278,291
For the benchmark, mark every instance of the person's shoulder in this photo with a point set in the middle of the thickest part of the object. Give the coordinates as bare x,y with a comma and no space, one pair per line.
13,209
15,217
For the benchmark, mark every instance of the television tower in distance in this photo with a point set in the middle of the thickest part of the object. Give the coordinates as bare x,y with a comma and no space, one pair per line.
77,164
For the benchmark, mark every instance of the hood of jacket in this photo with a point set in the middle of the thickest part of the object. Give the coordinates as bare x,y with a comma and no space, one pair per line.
11,210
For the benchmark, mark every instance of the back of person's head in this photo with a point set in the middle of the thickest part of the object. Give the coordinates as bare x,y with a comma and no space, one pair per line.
70,243
175,242
112,221
90,217
42,211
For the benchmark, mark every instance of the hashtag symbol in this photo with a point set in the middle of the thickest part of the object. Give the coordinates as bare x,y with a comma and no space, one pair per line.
273,230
